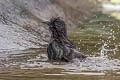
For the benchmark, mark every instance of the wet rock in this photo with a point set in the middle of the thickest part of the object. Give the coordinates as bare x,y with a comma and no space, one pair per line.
20,20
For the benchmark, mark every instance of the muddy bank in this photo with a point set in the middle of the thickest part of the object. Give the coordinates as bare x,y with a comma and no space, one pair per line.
20,20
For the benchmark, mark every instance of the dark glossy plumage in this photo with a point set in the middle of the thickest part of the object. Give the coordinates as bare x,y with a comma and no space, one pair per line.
60,48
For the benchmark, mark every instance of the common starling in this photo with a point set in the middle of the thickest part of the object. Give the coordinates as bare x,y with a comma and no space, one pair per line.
60,48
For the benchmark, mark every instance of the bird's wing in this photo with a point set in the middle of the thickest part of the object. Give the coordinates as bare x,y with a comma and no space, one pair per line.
57,49
62,52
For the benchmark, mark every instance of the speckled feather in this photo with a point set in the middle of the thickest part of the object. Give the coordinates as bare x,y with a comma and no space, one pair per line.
60,48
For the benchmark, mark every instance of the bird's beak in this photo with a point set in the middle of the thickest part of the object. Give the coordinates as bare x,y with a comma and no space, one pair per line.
46,22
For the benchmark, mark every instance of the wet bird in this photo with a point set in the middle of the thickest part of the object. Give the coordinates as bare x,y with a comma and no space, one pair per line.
60,48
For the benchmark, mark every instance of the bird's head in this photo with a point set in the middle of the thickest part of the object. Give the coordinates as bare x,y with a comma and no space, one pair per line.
57,26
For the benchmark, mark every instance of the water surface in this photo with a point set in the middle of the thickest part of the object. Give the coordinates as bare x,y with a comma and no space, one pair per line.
98,39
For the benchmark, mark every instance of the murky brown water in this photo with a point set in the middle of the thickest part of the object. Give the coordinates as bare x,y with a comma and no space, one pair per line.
99,39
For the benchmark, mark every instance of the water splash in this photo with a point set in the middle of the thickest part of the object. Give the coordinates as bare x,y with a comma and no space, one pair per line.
40,62
90,64
109,44
103,50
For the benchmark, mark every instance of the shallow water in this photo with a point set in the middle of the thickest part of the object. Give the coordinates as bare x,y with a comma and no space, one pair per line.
99,39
